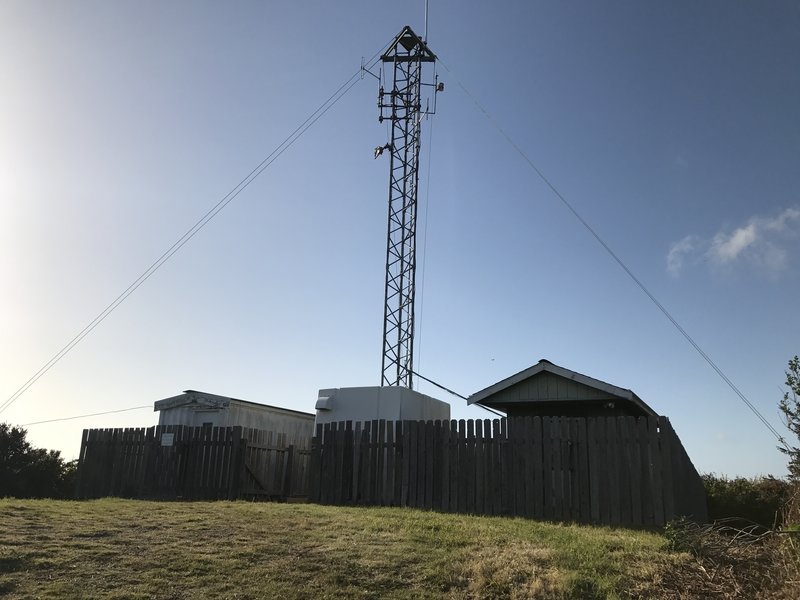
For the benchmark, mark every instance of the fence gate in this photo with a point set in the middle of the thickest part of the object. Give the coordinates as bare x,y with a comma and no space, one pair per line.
179,462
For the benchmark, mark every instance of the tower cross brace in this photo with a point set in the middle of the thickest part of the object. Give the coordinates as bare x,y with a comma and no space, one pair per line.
402,106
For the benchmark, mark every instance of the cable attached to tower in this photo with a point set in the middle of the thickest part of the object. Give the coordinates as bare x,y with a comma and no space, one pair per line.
321,110
618,260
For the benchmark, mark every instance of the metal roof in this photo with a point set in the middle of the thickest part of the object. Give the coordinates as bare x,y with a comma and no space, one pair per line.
546,365
408,40
213,400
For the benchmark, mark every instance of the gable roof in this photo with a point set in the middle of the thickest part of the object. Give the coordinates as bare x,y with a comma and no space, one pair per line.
545,366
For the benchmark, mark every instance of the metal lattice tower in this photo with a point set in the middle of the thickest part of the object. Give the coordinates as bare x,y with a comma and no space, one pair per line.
402,106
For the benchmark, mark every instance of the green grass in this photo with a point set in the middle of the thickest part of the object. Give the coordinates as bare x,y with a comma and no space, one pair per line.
174,550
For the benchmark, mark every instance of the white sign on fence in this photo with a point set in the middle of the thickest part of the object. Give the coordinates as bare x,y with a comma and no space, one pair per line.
167,439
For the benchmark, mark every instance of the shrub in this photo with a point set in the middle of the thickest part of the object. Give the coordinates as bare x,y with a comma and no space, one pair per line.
28,472
757,500
728,562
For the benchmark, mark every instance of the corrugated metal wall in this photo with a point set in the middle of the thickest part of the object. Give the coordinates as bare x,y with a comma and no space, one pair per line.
298,428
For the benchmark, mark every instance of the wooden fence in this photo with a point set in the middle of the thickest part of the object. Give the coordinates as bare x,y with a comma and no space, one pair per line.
175,461
605,470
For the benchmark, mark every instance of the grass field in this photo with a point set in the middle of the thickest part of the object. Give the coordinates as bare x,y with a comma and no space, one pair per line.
174,550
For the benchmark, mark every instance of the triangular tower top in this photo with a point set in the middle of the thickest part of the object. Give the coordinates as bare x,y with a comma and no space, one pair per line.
412,44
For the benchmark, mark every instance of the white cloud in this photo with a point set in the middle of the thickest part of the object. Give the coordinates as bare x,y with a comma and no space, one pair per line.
726,247
779,223
761,242
677,253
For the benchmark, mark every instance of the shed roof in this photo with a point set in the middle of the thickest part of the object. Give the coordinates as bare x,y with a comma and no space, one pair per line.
485,396
205,399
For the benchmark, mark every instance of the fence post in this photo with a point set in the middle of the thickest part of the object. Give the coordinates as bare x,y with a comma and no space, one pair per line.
287,472
315,470
239,444
79,474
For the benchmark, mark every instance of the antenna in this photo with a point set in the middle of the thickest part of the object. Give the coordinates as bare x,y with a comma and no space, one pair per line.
425,34
401,104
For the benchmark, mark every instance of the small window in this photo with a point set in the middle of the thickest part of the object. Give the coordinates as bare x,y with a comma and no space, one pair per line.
208,424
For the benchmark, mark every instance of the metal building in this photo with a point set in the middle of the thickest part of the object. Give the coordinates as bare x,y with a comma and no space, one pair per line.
392,403
197,409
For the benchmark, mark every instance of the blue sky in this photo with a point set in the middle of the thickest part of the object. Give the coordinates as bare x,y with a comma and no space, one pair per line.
671,127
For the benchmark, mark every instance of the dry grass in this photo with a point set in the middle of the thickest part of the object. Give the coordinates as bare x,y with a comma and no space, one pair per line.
729,563
133,549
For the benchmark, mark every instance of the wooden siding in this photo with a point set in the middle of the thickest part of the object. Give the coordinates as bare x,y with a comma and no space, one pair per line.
546,386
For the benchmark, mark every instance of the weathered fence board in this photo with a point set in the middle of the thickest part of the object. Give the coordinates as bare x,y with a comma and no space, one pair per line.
191,462
610,470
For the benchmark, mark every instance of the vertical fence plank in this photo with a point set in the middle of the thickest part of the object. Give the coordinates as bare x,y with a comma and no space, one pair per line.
603,474
456,495
399,463
528,462
287,472
337,462
436,475
612,457
445,472
568,434
389,477
347,449
469,467
558,469
366,466
413,461
404,444
217,455
492,467
537,469
574,470
480,470
315,470
428,463
326,464
82,471
518,465
644,460
374,452
665,443
655,471
506,483
356,481
547,469
624,461
584,483
461,467
380,479
226,472
634,471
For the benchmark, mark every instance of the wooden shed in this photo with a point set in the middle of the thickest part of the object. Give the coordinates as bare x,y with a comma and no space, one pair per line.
547,390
